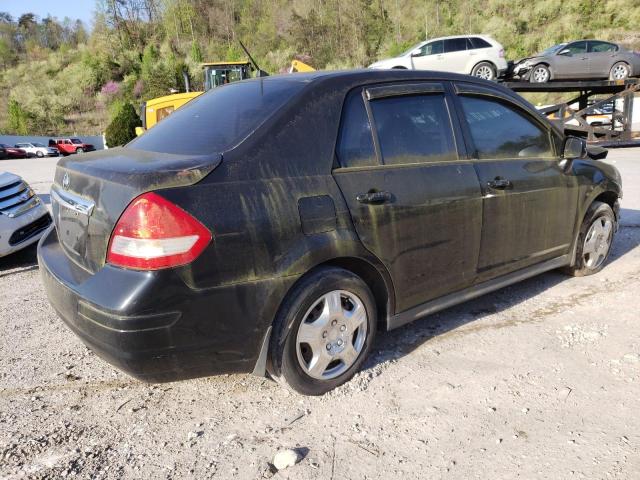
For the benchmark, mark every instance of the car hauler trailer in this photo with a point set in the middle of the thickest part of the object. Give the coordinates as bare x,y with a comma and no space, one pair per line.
616,101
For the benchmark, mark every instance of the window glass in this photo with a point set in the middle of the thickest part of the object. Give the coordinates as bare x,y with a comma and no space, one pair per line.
598,47
498,131
476,42
577,48
355,143
432,48
219,119
455,45
414,129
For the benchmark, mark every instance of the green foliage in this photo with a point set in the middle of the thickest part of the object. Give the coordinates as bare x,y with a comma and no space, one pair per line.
122,128
55,71
17,119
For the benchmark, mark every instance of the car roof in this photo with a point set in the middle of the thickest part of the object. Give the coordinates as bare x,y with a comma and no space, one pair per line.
474,35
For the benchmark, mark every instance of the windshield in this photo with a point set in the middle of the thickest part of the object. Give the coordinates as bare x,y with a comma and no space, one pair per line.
219,119
76,141
552,50
39,145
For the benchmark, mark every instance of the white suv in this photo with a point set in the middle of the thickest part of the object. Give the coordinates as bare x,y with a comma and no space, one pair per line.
478,55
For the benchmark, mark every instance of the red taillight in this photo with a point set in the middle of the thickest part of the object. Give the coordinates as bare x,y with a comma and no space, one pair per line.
501,53
153,233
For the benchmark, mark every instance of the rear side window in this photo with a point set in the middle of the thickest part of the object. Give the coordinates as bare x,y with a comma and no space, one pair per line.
478,43
455,45
414,129
599,47
218,120
499,131
355,143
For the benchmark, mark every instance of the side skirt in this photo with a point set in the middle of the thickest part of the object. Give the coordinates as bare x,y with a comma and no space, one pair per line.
483,288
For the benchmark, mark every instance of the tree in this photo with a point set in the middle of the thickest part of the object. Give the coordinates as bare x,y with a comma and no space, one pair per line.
122,128
18,118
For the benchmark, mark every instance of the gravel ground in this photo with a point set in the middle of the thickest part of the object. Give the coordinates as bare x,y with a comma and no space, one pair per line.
538,380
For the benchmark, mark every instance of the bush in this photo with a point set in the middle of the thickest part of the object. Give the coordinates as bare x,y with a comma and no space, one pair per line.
122,128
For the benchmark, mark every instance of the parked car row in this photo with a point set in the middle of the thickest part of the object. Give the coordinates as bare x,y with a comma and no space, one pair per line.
482,56
56,147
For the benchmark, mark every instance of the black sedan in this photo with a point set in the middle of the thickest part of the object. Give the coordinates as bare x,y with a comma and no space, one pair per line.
584,59
276,224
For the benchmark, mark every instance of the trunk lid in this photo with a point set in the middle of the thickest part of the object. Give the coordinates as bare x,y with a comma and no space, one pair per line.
91,191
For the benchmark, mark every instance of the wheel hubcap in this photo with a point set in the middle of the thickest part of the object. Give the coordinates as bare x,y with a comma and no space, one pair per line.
332,335
619,72
540,75
597,242
484,72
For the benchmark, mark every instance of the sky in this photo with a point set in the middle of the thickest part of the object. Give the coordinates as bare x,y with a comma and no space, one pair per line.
81,9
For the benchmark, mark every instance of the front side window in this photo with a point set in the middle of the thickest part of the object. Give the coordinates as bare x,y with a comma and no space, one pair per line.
455,45
355,143
576,48
414,129
500,131
433,48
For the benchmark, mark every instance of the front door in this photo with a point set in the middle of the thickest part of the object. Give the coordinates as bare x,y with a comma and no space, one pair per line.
430,57
572,61
414,203
529,203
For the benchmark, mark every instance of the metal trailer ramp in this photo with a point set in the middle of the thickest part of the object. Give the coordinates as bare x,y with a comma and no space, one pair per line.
619,94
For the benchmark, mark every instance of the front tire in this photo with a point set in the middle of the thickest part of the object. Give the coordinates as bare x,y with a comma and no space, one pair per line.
39,154
79,150
484,70
594,240
323,332
540,74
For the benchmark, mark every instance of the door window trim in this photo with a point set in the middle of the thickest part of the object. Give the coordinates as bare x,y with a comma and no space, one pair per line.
478,91
399,89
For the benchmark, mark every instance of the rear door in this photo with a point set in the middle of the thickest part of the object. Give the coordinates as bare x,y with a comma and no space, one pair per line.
456,55
414,198
529,202
602,56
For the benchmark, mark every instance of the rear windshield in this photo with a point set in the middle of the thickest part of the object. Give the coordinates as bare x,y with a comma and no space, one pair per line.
220,119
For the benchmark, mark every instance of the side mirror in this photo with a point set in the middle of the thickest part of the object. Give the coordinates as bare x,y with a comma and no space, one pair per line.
417,52
574,147
566,52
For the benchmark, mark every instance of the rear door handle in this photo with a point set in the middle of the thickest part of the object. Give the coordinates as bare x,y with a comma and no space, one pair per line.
499,183
374,198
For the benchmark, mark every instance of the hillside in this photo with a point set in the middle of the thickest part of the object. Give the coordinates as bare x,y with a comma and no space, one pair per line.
58,78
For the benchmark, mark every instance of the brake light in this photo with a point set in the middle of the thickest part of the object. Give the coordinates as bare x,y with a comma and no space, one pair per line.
501,53
153,233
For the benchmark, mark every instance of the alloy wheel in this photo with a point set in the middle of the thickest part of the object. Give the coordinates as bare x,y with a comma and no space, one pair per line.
540,75
485,72
597,242
332,335
619,72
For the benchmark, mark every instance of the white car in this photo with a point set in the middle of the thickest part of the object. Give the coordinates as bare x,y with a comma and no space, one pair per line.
478,55
23,216
38,149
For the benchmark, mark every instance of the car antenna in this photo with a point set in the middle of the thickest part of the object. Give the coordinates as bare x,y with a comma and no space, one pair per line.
261,73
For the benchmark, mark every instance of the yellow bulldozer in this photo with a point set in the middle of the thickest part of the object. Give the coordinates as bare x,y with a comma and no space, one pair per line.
215,74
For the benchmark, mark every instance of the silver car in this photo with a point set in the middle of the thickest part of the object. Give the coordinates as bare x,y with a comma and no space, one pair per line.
583,59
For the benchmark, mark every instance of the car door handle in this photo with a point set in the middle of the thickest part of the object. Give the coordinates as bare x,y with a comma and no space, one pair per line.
374,198
499,183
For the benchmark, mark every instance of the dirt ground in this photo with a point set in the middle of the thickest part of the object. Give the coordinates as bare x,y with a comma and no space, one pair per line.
538,380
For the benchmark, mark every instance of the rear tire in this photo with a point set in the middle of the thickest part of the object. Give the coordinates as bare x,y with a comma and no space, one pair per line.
594,241
39,154
484,70
399,68
540,74
79,150
323,332
619,71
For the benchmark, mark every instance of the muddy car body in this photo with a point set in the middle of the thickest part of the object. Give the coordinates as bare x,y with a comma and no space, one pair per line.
320,214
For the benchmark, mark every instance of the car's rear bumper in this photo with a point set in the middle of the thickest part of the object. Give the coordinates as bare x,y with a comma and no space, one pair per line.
151,324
